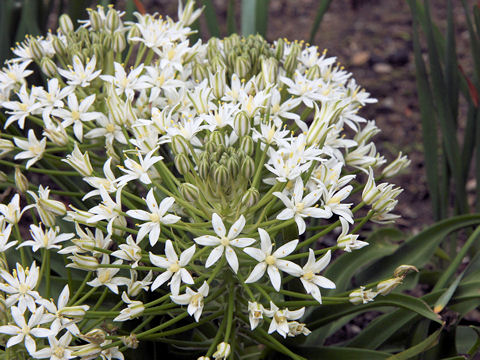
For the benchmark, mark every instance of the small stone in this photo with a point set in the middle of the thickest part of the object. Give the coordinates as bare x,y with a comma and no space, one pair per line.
360,58
382,68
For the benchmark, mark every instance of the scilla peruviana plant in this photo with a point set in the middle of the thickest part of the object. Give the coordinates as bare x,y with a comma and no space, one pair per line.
189,189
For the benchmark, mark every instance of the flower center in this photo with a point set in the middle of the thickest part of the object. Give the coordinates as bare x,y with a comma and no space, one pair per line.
59,352
23,288
300,206
174,267
197,300
309,275
104,276
154,217
225,241
270,260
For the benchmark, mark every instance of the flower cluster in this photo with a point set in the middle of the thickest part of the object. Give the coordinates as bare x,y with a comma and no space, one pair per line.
186,180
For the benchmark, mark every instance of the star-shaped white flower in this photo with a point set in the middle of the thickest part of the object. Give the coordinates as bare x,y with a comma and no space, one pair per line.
194,299
33,149
299,207
154,217
224,242
272,263
20,287
175,267
280,318
310,280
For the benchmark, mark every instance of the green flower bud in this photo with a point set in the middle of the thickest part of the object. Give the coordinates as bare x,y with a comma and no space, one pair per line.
218,83
291,62
217,138
232,166
95,20
182,163
269,70
59,46
221,175
242,66
280,49
180,145
251,197
3,176
36,49
199,72
203,169
119,42
313,73
247,145
21,181
65,24
247,169
48,67
189,192
241,124
107,42
210,147
112,21
133,33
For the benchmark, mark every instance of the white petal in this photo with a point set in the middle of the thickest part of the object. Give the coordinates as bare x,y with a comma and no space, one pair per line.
285,249
231,258
170,251
274,276
257,272
301,224
289,267
214,256
236,228
186,256
286,214
242,242
218,225
160,280
207,240
255,253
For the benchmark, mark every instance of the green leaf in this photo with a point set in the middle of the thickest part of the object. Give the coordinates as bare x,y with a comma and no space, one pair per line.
347,264
419,348
211,17
418,249
466,337
322,9
331,352
231,24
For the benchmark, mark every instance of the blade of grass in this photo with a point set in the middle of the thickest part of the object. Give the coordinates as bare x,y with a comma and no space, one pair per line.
469,140
429,128
426,344
261,17
211,18
231,23
322,9
451,65
248,20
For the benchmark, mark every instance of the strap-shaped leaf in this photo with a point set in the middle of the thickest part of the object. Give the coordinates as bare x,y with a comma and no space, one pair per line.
421,347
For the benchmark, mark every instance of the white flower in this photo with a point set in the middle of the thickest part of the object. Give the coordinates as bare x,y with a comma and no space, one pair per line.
300,207
129,252
33,149
45,239
5,231
156,216
80,75
134,286
272,263
310,280
108,182
20,287
27,105
194,299
280,318
58,349
108,210
24,331
255,314
77,114
12,212
297,328
223,351
362,296
134,309
127,84
79,161
64,316
348,241
224,242
175,267
106,276
136,170
47,208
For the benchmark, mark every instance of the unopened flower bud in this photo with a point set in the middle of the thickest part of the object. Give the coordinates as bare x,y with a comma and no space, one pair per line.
232,166
182,163
96,336
217,138
397,165
65,24
48,67
119,42
280,49
387,286
203,169
221,175
90,351
6,146
59,46
242,66
269,70
241,124
291,62
21,181
107,42
313,73
247,169
83,262
95,20
403,270
370,191
247,145
134,32
112,20
79,161
36,49
210,147
180,145
251,197
199,72
189,192
218,83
